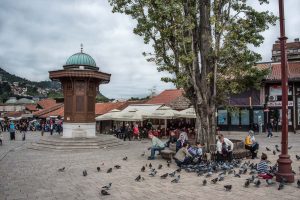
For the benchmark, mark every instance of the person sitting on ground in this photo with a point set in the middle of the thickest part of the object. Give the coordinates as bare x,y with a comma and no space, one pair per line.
182,139
183,157
251,144
224,149
197,152
157,145
263,168
172,139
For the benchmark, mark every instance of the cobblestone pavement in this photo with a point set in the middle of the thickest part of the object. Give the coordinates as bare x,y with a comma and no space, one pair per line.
31,174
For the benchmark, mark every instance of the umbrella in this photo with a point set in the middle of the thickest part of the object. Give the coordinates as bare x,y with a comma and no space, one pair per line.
163,112
187,113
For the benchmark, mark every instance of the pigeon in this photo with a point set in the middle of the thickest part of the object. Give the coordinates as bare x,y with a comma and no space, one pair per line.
178,170
274,152
168,164
297,157
298,183
109,170
117,166
227,187
247,183
277,149
172,174
176,180
236,175
204,182
268,149
143,154
153,173
221,178
159,166
143,169
230,171
107,187
125,158
208,174
214,181
281,185
153,169
257,183
150,165
270,182
104,192
164,176
84,173
61,169
98,169
290,147
200,173
138,178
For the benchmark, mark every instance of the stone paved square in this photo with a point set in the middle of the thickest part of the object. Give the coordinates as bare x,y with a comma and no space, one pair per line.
32,174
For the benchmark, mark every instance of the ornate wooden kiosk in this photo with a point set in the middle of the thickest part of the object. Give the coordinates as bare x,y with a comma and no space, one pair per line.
80,80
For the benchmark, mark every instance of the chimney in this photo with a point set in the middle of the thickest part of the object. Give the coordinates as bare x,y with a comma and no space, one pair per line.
296,39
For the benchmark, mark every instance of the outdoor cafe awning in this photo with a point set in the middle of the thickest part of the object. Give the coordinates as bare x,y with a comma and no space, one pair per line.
163,112
187,113
108,116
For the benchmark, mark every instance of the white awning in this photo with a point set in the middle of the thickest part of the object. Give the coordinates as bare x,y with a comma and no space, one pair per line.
187,113
163,112
108,116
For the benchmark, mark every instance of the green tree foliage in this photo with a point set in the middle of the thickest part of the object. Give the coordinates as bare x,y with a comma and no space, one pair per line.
5,92
204,45
54,95
100,98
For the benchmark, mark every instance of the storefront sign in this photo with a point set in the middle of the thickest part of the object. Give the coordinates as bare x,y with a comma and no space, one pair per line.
279,104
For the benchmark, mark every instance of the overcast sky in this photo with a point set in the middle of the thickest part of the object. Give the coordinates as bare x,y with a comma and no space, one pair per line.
37,36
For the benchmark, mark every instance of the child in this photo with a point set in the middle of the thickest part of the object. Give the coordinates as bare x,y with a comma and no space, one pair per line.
197,151
263,168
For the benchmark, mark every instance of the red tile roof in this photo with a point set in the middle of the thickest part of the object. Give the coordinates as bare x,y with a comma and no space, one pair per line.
46,103
166,97
293,71
102,108
31,107
48,110
56,112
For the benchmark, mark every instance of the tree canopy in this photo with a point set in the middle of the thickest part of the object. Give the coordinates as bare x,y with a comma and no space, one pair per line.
205,45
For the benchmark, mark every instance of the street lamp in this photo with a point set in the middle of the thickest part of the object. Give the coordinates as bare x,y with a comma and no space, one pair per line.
284,161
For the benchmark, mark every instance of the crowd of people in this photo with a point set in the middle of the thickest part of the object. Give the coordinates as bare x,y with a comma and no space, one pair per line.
22,126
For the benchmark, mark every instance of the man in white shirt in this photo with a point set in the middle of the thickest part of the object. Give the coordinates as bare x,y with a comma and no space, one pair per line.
224,149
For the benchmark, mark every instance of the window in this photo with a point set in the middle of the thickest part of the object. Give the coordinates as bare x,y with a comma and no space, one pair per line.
258,116
289,116
244,117
222,117
235,118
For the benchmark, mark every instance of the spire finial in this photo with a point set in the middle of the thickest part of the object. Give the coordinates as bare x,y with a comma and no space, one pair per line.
81,47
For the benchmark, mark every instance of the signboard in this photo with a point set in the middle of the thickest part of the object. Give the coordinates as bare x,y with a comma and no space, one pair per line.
279,103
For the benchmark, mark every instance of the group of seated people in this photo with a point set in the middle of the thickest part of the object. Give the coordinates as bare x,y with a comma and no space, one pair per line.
184,152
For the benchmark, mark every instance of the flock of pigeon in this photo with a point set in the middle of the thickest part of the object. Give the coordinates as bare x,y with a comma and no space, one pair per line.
207,169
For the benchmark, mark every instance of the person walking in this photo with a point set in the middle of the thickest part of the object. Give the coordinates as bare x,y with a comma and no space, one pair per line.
270,128
127,131
12,130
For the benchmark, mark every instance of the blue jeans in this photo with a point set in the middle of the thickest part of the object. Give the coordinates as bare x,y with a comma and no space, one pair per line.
153,149
270,132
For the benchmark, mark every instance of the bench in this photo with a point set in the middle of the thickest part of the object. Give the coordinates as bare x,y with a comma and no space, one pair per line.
238,152
168,152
